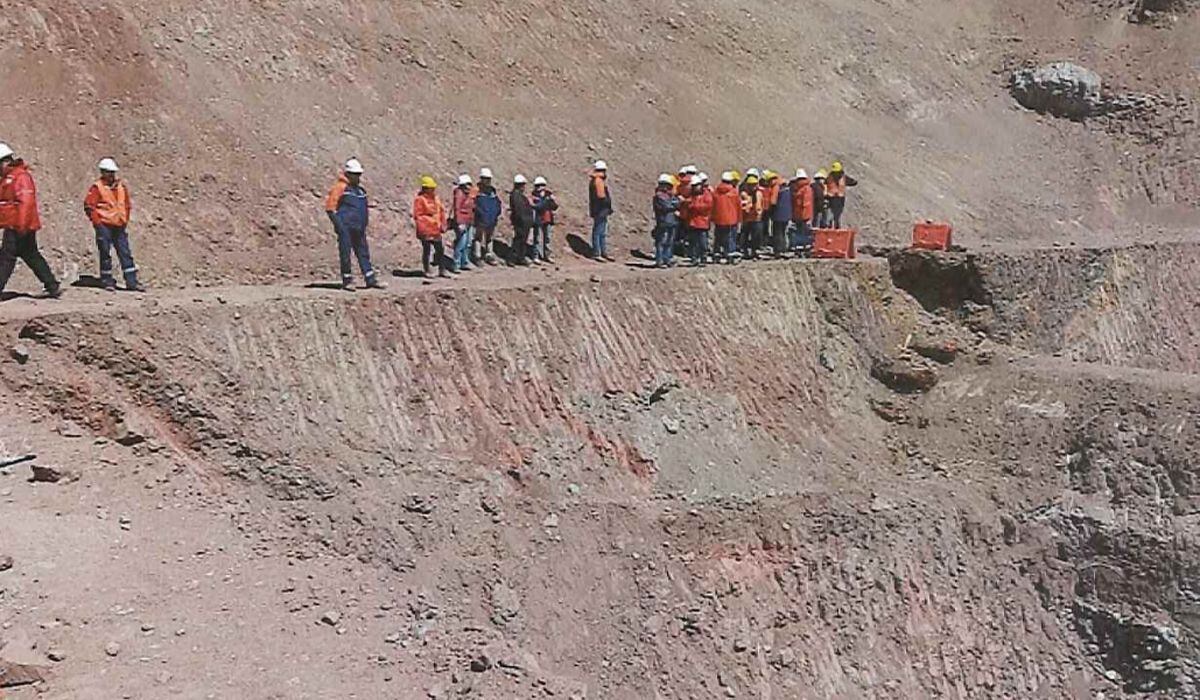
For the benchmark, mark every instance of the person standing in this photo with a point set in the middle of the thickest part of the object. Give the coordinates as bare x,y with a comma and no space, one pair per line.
487,216
20,222
600,206
820,206
346,207
666,221
521,214
699,208
544,206
462,209
835,192
752,213
429,215
783,236
774,236
725,217
108,206
802,211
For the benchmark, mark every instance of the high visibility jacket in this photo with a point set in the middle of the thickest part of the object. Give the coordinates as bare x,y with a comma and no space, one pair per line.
802,200
600,204
108,206
348,205
18,200
464,205
726,205
773,193
684,191
700,208
430,216
836,187
752,203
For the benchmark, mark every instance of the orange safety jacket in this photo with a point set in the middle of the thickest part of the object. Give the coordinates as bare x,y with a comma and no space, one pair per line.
752,204
429,214
802,200
835,187
108,206
726,207
18,201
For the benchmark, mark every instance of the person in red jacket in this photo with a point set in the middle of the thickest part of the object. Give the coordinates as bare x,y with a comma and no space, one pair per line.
429,215
802,212
462,212
699,218
109,207
20,222
725,217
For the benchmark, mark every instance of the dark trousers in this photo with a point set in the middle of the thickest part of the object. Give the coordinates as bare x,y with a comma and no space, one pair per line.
751,238
24,246
354,241
779,236
107,238
699,241
664,244
837,205
725,244
432,253
520,244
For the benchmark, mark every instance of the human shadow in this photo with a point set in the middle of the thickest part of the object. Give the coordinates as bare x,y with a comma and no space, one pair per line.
579,246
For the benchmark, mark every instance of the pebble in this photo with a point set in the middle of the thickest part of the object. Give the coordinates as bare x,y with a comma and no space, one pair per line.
112,649
331,617
56,655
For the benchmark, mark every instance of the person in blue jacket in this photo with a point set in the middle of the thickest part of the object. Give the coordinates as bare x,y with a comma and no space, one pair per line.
666,221
488,208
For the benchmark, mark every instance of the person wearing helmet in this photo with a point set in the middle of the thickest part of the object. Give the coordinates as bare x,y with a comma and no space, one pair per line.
726,215
820,206
752,196
600,207
544,206
109,207
802,212
782,233
835,192
666,221
699,207
346,207
775,236
429,216
20,222
487,216
523,217
462,217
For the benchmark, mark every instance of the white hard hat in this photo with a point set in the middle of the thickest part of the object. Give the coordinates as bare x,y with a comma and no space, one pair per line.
690,170
485,173
464,179
5,151
753,172
727,176
354,167
601,165
801,174
519,180
665,179
539,180
702,177
108,165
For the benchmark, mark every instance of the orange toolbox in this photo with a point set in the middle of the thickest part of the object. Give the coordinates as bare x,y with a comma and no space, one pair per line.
833,243
930,235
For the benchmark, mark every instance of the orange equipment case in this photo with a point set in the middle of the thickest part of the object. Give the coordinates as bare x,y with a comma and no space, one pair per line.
833,243
931,235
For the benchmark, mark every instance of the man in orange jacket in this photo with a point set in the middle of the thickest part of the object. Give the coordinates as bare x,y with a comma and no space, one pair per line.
109,207
725,217
802,212
20,222
429,215
752,199
699,217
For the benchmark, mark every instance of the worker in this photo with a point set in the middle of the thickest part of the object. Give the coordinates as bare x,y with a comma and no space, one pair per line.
108,207
20,222
777,235
487,216
752,211
429,216
700,207
835,192
600,206
782,232
666,221
521,214
346,207
683,190
725,218
802,212
462,211
820,206
684,180
544,206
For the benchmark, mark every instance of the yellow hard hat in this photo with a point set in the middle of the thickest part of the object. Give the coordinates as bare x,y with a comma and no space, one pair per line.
737,175
428,183
837,166
770,174
751,180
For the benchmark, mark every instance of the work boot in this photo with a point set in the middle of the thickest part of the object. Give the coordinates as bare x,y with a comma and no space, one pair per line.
375,284
442,273
110,285
54,292
348,284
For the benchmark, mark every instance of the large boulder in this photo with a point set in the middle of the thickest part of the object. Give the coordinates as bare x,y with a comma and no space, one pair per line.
1062,89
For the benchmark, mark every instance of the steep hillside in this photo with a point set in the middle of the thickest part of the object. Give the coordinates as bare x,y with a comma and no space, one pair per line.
231,117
